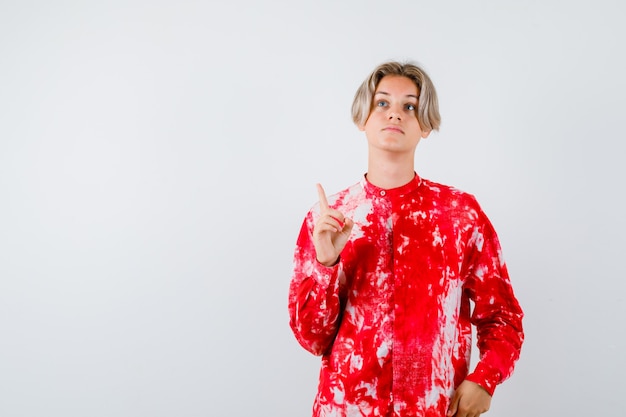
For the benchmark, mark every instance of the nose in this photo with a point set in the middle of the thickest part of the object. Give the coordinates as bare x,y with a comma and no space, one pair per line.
394,113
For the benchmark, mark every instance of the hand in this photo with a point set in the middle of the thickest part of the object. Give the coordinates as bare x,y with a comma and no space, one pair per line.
469,400
331,232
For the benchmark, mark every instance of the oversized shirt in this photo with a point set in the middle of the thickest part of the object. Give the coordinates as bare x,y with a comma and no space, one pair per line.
392,319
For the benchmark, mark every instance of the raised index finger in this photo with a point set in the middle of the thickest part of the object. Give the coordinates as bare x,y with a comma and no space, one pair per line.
322,196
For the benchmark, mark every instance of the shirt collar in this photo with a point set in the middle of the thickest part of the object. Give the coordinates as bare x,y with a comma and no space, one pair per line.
407,188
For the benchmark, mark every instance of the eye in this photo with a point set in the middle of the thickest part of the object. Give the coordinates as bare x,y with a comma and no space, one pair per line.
410,107
381,103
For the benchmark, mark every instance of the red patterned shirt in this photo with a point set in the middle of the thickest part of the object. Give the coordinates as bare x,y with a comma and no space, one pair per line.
392,320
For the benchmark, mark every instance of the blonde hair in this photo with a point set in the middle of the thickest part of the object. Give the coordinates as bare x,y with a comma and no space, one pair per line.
427,108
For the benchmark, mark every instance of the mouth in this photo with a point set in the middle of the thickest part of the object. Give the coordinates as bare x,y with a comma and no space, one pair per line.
393,129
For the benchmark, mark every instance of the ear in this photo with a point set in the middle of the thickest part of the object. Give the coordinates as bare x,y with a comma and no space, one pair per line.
425,134
361,128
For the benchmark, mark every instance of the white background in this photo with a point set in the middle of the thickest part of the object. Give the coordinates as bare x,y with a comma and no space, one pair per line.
157,159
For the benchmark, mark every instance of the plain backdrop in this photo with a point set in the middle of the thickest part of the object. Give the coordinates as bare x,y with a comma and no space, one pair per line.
157,159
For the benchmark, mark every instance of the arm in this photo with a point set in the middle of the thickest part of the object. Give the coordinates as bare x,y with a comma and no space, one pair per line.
314,301
497,314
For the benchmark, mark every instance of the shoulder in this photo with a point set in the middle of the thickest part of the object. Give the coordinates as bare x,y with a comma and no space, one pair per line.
453,203
343,198
449,194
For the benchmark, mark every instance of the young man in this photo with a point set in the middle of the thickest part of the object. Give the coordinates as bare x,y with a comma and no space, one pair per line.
384,272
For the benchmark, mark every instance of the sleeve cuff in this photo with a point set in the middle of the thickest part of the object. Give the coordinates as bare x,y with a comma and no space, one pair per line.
324,275
487,379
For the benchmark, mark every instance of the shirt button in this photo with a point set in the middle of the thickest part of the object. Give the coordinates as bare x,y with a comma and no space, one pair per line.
382,193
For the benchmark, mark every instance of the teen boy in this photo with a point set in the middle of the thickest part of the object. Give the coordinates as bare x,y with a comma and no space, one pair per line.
385,270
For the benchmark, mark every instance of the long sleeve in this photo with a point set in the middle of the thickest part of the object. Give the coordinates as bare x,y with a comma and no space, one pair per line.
314,303
497,314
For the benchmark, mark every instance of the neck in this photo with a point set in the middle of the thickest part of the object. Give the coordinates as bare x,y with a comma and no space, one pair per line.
391,172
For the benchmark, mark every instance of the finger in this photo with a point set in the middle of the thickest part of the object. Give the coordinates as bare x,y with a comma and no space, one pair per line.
454,404
348,224
322,196
333,222
327,227
340,223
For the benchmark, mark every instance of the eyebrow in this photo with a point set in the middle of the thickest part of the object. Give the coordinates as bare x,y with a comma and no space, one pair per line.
387,94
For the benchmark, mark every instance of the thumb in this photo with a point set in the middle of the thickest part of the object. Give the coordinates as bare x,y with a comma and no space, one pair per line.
454,405
348,223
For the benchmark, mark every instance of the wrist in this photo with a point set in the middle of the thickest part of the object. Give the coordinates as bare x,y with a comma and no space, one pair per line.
329,264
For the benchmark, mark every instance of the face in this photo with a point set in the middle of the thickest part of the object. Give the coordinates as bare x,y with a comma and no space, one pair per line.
392,125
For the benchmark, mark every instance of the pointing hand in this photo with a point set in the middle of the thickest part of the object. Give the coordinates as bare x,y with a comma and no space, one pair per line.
331,231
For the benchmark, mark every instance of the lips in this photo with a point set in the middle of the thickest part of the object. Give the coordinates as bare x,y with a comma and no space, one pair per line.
394,129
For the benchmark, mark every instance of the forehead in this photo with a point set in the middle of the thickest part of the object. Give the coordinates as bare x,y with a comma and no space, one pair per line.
397,85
